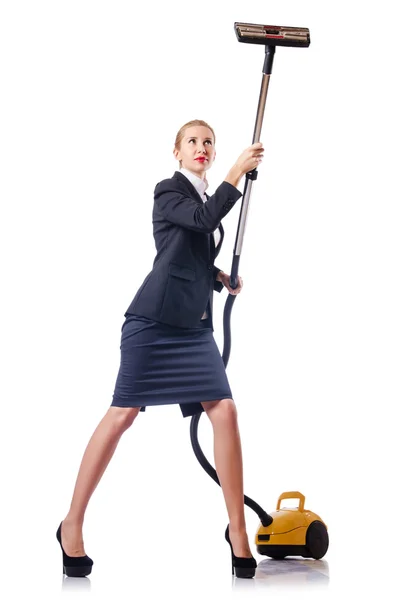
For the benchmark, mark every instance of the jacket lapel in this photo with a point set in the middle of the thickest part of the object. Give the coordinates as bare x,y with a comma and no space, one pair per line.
196,196
189,185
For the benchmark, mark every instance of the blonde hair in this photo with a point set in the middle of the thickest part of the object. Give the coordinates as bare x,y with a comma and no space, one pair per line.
181,133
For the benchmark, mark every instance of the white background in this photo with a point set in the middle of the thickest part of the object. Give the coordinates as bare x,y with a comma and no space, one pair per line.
93,94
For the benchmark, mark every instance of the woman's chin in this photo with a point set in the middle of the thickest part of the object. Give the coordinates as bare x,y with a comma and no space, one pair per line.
201,166
197,167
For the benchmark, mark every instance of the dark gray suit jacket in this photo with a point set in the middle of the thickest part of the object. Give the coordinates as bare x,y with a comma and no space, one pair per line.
183,277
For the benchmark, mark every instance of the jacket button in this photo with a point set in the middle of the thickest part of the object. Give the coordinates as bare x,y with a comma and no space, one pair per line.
209,267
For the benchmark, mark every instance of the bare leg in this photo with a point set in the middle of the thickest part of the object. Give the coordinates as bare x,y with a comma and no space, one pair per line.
229,468
97,455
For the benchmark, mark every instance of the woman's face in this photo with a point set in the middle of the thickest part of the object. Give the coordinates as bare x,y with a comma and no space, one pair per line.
198,141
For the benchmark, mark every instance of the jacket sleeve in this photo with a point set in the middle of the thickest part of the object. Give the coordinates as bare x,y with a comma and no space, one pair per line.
179,208
218,285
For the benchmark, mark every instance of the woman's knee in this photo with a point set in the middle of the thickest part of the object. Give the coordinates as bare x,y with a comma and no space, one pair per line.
123,416
224,410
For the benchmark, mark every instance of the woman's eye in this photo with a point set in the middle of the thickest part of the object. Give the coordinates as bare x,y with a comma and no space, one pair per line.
209,141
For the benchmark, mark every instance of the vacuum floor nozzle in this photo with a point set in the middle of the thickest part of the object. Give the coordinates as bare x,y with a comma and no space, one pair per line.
272,35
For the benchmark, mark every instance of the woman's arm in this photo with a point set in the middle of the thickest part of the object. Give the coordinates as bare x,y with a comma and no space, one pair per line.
234,176
177,207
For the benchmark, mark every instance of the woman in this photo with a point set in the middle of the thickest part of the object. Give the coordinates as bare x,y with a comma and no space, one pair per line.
168,353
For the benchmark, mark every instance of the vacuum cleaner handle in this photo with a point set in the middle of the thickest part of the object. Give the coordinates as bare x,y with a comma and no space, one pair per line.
295,495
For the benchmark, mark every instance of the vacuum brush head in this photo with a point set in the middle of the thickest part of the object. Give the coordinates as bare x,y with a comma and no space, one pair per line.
272,35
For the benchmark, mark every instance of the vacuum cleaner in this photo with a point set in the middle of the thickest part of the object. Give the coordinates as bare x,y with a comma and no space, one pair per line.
286,531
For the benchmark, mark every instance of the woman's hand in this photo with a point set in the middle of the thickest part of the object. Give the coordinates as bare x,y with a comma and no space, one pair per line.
247,161
225,279
250,158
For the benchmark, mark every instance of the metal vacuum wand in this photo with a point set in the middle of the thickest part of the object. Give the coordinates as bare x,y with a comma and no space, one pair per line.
252,175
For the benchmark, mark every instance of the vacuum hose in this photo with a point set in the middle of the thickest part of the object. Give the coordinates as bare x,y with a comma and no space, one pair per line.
264,517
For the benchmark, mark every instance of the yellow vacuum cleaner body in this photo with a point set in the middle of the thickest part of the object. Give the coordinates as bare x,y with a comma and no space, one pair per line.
293,532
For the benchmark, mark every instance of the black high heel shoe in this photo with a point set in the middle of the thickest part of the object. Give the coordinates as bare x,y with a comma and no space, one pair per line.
77,566
244,567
